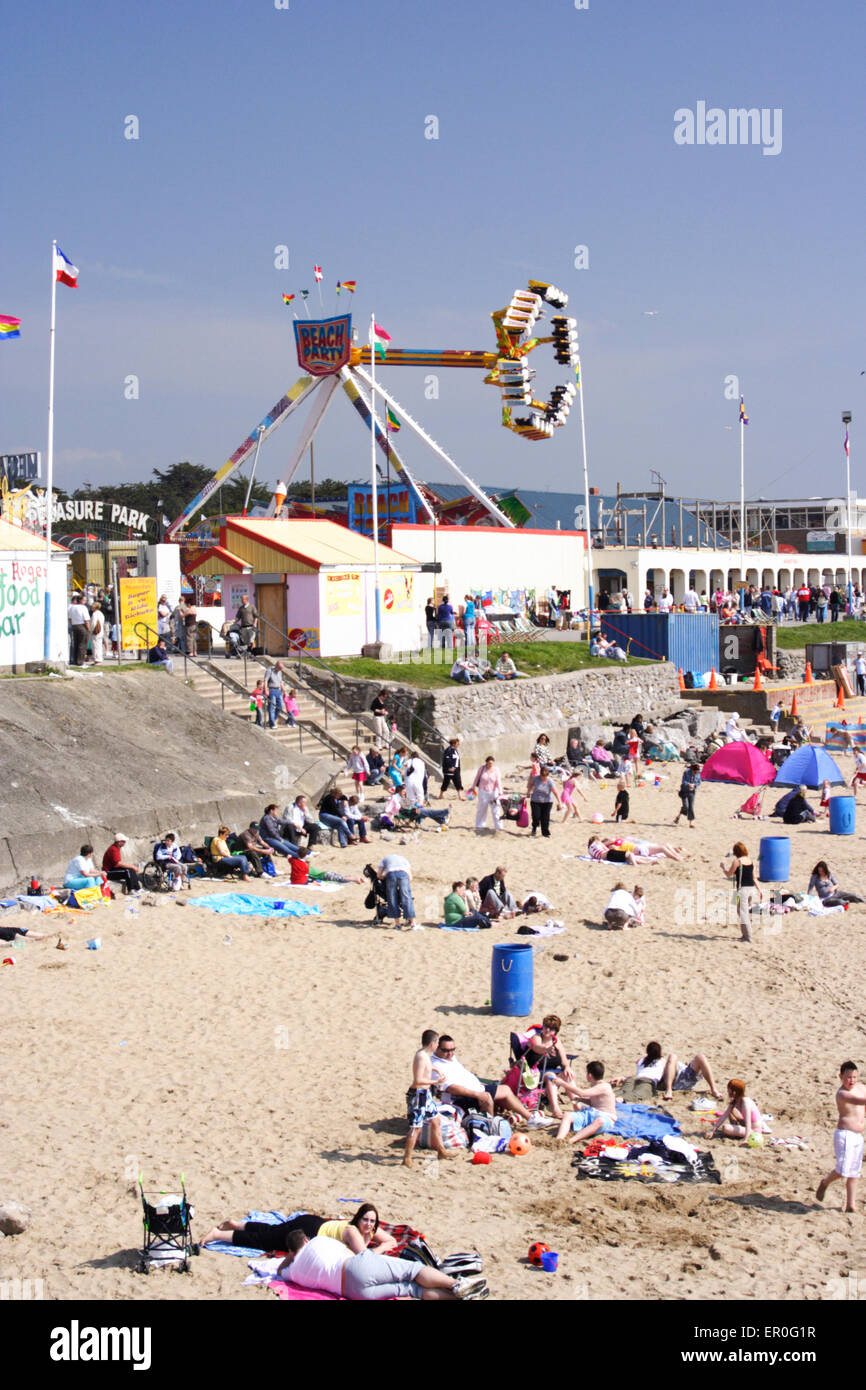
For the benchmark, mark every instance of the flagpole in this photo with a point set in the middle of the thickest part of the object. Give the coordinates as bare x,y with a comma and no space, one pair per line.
50,465
846,420
742,500
374,497
590,597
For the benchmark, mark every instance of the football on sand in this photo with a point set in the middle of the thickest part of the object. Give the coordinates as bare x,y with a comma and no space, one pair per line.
536,1250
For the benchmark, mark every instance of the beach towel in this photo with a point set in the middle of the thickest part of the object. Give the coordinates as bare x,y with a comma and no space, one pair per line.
646,1166
644,1122
267,1218
248,905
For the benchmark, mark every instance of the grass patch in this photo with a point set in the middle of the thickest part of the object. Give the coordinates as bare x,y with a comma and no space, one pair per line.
106,668
535,658
795,636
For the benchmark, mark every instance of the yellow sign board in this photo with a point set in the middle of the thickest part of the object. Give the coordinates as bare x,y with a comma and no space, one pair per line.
343,595
398,593
137,606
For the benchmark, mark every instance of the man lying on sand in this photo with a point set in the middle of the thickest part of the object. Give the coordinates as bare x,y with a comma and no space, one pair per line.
328,1265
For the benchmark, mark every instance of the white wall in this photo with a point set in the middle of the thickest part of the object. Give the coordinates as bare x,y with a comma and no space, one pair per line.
163,565
23,581
481,559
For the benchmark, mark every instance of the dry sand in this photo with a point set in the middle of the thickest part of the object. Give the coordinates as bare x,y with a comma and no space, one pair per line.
271,1071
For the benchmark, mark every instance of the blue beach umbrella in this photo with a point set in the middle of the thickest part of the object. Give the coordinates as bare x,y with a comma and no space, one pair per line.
809,766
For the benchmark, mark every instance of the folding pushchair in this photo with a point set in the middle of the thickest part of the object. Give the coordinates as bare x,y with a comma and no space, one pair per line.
167,1234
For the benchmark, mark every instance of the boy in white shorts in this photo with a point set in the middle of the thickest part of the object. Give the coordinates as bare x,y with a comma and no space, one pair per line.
848,1135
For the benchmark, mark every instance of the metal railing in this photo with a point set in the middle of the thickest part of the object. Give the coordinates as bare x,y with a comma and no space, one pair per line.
227,682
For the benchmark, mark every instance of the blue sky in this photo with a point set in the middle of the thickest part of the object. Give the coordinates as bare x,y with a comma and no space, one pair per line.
306,127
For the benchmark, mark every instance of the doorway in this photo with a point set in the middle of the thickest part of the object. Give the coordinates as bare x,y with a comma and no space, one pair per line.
271,603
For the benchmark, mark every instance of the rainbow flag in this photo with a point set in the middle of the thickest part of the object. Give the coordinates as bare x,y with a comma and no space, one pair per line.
381,339
391,421
287,298
9,327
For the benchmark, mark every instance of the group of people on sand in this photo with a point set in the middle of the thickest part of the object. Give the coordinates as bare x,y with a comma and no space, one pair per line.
351,1257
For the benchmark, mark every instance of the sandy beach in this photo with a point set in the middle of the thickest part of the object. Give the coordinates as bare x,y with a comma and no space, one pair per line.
271,1069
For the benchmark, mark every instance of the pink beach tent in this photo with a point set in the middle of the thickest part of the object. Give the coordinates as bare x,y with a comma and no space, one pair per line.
738,762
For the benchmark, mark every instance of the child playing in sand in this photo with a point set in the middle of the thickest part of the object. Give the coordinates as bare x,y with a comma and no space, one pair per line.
621,806
848,1136
824,807
570,789
598,1112
640,904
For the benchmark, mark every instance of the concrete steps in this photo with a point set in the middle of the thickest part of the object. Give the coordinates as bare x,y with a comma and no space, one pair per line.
338,735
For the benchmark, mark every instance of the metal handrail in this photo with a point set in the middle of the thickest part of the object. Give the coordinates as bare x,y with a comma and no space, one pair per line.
226,683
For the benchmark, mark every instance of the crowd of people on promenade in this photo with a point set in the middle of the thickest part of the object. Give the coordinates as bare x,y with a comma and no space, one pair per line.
805,603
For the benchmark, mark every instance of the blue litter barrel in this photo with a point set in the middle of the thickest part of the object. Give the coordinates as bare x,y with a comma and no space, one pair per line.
774,860
843,815
511,979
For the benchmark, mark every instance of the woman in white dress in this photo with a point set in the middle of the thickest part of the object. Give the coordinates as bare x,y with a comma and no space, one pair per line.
97,635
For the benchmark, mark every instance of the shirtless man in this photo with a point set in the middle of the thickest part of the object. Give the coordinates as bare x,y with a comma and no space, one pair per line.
848,1136
598,1113
421,1104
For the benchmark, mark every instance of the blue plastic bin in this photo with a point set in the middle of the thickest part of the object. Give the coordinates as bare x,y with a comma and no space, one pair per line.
512,979
843,815
774,860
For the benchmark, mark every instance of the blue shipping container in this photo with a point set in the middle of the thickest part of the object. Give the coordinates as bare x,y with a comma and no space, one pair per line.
689,640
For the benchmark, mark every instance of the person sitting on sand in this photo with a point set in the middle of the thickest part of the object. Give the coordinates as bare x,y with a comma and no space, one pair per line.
456,911
622,910
326,1265
461,1084
672,1075
81,872
798,811
544,1046
222,857
422,1107
742,1116
597,1115
824,884
496,898
359,1232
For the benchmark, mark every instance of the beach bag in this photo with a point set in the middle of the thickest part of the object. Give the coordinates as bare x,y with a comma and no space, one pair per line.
300,871
481,1126
86,899
268,867
523,815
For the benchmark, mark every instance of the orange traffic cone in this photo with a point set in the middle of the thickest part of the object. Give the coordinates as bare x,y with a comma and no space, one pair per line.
807,679
840,698
680,678
758,683
712,685
794,714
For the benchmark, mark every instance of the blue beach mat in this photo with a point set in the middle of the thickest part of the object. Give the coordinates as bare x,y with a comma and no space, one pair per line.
643,1122
266,1218
248,905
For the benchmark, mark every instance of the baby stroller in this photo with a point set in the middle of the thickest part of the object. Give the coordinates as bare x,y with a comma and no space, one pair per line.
239,640
167,1234
377,898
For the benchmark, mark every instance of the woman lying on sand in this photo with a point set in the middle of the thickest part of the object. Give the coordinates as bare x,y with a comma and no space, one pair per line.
358,1233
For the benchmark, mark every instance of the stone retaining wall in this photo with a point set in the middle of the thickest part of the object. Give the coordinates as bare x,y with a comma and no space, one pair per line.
504,717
